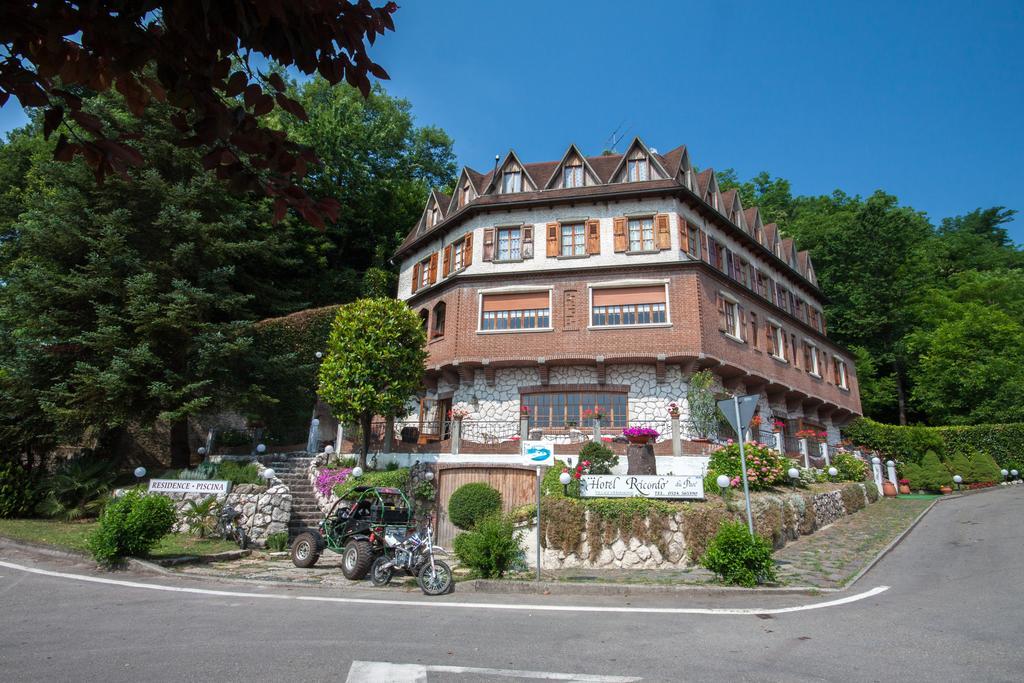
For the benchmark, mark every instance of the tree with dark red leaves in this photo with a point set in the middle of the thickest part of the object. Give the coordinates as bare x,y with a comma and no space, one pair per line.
196,56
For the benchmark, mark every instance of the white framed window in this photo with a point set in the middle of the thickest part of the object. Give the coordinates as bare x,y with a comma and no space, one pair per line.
572,175
458,255
842,380
637,170
424,272
732,319
641,234
629,304
509,244
512,181
573,240
777,343
464,195
811,359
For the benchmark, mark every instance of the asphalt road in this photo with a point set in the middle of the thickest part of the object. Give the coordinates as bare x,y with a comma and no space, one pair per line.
954,610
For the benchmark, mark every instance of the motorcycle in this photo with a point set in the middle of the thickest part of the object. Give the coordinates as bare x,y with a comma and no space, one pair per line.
412,552
230,526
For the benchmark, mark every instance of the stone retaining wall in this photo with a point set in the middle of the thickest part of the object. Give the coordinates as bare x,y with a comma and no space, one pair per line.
264,510
779,517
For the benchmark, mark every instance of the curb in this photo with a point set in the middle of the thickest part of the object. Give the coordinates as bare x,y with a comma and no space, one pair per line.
892,544
627,589
225,556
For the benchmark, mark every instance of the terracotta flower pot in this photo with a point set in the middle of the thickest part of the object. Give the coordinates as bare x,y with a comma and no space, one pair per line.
904,489
639,440
888,489
945,490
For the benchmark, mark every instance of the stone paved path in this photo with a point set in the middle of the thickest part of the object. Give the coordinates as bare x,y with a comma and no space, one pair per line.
829,558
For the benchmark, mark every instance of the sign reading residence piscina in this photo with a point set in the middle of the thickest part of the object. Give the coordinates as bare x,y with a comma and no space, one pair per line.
689,487
213,487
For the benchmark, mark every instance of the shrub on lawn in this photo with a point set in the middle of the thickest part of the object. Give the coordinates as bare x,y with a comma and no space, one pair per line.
491,547
19,490
851,468
739,558
471,503
131,525
931,474
601,458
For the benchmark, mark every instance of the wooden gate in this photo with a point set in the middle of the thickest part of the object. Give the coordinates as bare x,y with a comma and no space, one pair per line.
517,485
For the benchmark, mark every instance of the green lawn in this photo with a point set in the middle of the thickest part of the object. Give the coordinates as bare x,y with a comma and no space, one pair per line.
74,535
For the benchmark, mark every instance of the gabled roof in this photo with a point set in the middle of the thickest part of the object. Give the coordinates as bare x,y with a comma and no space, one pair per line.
511,156
638,143
443,200
703,180
788,249
573,151
673,160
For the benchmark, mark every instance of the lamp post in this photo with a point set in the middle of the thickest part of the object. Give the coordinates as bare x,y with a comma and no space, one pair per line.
318,355
261,448
1005,473
832,472
1013,474
140,472
565,478
328,449
357,471
201,450
429,475
957,479
268,473
794,476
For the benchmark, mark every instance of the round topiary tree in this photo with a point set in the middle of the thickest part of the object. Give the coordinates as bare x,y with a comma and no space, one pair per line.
374,362
933,474
472,502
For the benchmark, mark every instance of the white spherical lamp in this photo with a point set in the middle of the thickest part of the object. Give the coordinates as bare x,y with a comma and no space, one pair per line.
140,472
1004,472
429,475
722,481
268,473
832,471
328,449
202,450
261,448
957,479
357,471
565,478
319,355
793,473
1013,472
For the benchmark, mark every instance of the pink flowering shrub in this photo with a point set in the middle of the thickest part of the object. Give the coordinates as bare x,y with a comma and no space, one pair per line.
765,466
328,478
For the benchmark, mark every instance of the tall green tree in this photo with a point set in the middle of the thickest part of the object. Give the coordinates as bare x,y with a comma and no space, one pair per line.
374,363
139,291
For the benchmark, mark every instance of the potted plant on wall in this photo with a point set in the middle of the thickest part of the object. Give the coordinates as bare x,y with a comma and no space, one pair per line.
640,435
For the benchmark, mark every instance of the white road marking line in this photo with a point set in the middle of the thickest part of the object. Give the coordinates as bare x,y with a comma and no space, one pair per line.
373,672
465,605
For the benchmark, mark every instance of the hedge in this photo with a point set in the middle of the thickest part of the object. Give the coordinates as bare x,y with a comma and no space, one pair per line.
908,444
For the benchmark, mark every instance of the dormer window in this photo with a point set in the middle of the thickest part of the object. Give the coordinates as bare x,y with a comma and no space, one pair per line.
464,195
637,170
512,181
572,175
433,217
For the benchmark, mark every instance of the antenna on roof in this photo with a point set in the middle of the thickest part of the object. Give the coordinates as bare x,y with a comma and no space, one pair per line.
615,138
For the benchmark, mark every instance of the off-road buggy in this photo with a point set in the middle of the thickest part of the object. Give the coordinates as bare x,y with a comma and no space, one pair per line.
354,527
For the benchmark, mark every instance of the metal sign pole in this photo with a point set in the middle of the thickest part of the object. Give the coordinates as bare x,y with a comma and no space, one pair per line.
538,522
743,465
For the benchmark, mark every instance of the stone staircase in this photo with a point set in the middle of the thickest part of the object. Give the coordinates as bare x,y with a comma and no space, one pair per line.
293,471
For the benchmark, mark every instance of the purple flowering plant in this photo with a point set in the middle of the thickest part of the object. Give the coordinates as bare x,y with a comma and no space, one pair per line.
328,478
641,431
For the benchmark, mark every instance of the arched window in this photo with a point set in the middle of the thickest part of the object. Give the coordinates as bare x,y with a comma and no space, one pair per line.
425,319
438,329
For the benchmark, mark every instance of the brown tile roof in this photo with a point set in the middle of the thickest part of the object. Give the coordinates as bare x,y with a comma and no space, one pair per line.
541,172
672,159
728,197
703,180
750,216
604,165
443,201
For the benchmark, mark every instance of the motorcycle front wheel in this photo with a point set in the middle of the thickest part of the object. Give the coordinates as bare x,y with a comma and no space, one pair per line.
379,574
437,580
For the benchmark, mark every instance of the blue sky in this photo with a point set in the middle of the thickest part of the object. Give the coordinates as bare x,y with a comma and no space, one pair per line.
924,100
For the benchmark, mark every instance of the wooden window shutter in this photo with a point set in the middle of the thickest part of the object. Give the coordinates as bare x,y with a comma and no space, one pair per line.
663,239
796,353
446,262
754,332
743,323
769,338
415,277
488,244
526,245
594,237
808,361
433,268
467,251
785,345
723,324
552,239
836,374
684,237
704,246
619,232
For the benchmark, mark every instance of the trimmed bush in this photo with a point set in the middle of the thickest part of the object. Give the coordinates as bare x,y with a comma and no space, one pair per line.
601,458
981,468
903,443
19,490
739,558
851,468
932,473
471,503
130,526
491,548
1004,443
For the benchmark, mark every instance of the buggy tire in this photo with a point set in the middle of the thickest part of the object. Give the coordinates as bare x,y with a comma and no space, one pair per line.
356,559
378,575
305,549
438,582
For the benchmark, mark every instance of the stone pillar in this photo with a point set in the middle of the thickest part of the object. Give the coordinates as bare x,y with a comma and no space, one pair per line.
778,442
524,429
339,437
891,470
805,450
640,459
824,454
876,470
677,443
456,435
597,431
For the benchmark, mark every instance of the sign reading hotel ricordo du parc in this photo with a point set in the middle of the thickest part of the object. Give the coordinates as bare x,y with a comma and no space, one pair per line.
641,486
211,486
